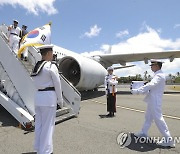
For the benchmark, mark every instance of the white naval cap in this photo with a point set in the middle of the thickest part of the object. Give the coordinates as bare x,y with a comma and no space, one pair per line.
45,48
15,21
156,61
110,68
24,26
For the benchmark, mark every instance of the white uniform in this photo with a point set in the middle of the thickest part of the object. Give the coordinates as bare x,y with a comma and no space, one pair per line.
110,82
110,88
45,107
14,38
154,91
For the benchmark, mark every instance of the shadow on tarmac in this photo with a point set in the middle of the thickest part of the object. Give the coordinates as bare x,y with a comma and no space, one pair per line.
141,145
102,116
85,95
123,93
172,92
6,119
30,153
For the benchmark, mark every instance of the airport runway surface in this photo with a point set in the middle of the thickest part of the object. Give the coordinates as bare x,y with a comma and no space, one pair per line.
92,132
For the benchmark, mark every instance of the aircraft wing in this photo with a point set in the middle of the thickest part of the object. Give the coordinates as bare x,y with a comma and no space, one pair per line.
120,67
109,59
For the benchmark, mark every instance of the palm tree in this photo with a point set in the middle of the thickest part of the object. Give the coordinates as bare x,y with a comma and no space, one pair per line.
138,77
178,74
170,77
145,75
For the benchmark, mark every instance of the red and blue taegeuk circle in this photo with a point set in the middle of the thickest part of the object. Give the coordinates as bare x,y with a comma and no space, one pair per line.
33,34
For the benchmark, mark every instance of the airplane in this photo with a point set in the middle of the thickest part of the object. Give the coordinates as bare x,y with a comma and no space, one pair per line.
88,73
83,73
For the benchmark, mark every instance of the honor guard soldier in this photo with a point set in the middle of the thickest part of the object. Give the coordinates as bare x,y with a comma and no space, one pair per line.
14,36
154,91
48,95
110,87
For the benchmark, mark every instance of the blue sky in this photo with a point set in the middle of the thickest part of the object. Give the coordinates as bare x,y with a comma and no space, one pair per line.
90,26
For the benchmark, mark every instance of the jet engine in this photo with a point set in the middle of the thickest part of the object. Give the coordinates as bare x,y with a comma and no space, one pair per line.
84,73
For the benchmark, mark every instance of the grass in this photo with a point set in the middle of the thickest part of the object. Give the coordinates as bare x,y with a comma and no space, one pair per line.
175,87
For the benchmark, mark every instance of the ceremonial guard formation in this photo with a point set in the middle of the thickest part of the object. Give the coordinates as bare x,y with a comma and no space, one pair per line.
154,91
48,95
110,88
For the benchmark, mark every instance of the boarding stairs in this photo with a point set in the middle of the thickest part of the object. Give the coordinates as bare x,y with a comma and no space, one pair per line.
17,89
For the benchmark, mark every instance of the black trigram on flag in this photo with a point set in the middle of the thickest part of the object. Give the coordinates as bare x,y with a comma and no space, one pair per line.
43,37
41,28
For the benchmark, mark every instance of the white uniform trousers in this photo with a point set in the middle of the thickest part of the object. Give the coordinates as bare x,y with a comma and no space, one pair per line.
154,112
44,128
14,43
25,52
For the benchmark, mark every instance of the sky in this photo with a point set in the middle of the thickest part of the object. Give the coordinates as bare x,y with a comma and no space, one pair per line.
90,26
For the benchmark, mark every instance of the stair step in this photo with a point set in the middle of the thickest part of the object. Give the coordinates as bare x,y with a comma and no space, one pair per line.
28,66
64,117
62,111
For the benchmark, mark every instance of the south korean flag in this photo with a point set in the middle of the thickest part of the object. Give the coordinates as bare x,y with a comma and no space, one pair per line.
37,37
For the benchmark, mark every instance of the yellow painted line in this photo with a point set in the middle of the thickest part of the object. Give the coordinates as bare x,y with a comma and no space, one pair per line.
136,110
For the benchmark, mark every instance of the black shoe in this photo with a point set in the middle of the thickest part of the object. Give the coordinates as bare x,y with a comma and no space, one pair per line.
22,56
25,59
108,115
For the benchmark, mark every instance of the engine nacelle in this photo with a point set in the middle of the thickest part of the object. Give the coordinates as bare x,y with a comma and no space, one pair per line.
84,73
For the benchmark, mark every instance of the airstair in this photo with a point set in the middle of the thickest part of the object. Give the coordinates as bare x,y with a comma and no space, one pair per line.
17,89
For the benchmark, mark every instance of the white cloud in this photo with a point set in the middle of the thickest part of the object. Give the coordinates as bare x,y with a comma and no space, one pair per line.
147,41
122,33
104,47
93,53
140,68
33,6
94,31
171,67
176,26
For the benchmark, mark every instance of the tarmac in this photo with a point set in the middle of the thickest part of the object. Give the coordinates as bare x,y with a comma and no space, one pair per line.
93,133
